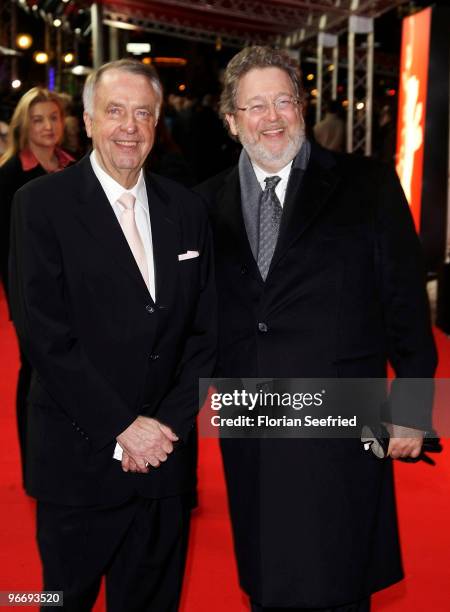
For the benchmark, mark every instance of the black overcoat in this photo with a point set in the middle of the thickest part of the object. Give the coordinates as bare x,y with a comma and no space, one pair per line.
103,351
314,521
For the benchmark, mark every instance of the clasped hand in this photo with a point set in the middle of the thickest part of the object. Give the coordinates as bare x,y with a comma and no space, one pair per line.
146,442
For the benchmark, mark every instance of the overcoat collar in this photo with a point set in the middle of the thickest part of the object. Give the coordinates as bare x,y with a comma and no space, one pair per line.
307,194
231,226
99,219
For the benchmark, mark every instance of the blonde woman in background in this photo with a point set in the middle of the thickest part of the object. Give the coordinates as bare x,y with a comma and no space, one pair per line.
35,131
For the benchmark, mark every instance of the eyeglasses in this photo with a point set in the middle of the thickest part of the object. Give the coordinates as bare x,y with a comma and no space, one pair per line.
283,104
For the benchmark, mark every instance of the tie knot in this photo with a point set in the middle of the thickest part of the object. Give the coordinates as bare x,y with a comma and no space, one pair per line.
127,200
272,181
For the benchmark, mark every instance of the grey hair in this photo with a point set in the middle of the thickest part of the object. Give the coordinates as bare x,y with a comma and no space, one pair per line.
248,59
125,65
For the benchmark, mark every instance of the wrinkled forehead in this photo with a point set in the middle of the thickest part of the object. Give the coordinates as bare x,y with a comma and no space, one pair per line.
121,83
264,82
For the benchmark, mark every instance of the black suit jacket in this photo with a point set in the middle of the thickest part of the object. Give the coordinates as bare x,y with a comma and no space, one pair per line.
314,519
102,350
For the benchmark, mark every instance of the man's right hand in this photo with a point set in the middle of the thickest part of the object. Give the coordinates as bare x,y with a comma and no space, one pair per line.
146,442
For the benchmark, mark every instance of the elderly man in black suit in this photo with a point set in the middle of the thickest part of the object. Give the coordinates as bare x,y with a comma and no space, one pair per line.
319,275
112,297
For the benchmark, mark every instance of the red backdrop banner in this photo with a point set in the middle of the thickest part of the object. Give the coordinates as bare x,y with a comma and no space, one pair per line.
412,107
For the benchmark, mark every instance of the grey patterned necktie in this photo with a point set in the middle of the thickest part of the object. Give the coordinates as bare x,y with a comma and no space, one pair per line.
269,224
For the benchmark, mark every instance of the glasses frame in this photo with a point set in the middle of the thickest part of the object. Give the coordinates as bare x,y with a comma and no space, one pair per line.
295,101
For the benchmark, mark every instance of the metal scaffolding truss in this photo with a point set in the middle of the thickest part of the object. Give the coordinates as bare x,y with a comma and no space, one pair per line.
332,16
283,23
5,28
360,85
179,27
8,52
327,69
265,13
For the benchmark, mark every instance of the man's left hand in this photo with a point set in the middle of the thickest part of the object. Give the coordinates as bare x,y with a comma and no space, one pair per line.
404,442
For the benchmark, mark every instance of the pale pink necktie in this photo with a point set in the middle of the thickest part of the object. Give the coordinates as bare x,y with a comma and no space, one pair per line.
131,232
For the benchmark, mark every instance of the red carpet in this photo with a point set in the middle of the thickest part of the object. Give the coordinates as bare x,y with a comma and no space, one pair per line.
211,581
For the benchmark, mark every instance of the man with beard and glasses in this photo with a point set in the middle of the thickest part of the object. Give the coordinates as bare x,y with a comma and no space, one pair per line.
319,275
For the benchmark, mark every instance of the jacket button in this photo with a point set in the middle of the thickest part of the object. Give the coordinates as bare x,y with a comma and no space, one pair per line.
263,328
154,356
244,269
149,309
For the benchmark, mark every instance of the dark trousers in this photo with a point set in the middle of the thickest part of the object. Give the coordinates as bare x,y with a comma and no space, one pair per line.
140,547
362,605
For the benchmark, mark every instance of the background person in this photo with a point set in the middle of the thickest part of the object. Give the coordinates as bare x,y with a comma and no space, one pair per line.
4,129
36,130
330,131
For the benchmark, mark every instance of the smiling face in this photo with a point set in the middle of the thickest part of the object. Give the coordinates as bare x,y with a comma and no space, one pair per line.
45,126
272,139
123,124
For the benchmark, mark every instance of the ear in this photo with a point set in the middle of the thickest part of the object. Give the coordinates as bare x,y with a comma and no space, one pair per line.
231,124
88,123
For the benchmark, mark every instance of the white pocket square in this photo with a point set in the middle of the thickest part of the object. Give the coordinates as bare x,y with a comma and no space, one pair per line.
118,452
188,255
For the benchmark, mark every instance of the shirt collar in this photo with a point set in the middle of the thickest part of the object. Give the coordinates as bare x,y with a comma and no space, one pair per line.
30,161
262,174
113,189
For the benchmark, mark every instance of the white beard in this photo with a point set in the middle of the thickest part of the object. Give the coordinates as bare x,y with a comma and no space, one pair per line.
263,157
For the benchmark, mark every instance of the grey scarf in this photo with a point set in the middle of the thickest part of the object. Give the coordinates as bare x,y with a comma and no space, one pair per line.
251,192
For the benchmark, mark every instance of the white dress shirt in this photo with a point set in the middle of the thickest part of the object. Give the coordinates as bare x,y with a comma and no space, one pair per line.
113,191
280,189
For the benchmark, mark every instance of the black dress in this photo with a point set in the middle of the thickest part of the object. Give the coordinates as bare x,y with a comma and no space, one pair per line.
12,178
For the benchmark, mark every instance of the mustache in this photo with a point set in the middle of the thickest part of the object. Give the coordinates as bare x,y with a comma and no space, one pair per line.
273,125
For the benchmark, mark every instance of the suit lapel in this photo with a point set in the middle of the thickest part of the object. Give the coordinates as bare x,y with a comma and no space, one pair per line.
167,242
307,194
231,226
96,214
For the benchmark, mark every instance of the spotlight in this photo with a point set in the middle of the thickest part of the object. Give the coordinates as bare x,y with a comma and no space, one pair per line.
16,84
57,23
138,48
68,58
24,41
81,70
40,57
